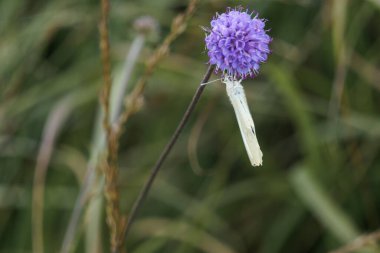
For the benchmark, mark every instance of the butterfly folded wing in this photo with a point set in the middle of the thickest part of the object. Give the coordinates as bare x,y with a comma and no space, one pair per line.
238,100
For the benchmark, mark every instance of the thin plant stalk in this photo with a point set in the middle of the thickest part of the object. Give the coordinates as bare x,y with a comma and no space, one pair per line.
118,92
338,85
339,12
156,168
54,123
93,233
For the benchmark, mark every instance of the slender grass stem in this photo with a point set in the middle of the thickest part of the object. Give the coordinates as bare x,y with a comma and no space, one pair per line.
54,123
156,168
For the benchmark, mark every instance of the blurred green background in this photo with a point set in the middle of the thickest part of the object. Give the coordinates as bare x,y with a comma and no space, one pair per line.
315,105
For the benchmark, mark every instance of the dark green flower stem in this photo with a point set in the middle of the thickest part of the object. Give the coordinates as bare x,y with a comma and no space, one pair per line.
166,151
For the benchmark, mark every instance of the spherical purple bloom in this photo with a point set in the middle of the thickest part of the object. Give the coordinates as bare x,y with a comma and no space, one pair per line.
237,43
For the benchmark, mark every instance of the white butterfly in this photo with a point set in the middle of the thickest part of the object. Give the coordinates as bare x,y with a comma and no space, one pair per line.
236,94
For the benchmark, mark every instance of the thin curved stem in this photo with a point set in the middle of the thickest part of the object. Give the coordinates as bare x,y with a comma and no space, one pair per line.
53,125
166,151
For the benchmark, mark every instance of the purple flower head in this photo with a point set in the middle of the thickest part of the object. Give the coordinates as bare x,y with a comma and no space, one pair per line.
237,43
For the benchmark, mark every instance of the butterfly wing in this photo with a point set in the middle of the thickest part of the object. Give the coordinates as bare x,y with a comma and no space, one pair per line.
238,100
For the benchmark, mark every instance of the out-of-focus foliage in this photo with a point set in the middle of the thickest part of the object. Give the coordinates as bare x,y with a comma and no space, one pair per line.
319,186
